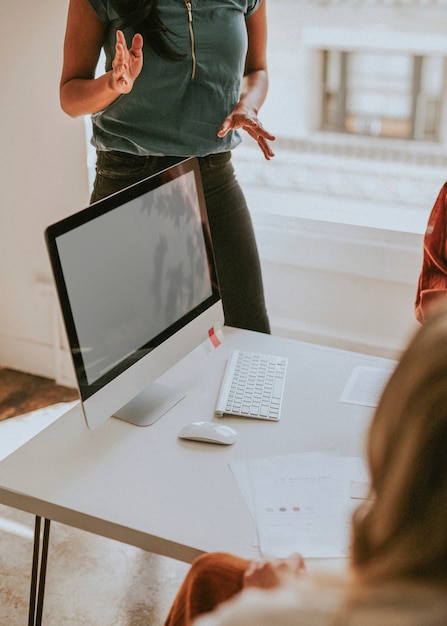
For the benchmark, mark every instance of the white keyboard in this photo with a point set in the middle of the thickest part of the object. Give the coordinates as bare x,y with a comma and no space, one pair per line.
252,386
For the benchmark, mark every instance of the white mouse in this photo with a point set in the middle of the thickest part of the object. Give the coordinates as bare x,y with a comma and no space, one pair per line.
208,432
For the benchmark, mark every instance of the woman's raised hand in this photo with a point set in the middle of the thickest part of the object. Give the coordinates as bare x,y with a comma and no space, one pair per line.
127,64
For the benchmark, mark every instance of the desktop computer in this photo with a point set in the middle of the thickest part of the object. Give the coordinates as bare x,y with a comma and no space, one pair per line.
138,290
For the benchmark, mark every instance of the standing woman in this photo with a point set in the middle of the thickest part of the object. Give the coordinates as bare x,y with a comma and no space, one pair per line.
181,79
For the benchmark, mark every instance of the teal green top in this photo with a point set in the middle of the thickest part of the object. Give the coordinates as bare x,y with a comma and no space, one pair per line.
177,107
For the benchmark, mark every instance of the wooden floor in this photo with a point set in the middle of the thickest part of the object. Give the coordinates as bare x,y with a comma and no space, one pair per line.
22,393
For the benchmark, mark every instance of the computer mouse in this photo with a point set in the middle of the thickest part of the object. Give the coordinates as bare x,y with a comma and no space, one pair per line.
208,432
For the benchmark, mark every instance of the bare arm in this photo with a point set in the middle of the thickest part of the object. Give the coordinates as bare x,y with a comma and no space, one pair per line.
80,92
255,85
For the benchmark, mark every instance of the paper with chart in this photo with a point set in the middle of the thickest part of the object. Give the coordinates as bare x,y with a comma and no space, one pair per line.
302,502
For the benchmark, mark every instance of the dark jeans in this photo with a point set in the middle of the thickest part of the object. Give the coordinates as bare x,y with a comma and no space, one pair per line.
235,250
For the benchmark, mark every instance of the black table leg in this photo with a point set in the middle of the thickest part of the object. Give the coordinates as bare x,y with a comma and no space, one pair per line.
38,572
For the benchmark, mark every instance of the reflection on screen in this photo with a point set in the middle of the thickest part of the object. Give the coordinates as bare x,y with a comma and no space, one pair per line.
134,271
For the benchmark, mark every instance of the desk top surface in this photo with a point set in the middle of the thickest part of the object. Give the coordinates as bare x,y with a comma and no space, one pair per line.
146,487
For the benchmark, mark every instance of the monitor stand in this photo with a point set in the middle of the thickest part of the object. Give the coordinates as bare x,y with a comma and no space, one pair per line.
149,405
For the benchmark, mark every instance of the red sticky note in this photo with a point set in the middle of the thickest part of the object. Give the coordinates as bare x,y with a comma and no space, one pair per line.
213,337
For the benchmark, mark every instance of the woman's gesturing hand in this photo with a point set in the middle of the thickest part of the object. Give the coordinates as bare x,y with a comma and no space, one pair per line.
248,121
127,63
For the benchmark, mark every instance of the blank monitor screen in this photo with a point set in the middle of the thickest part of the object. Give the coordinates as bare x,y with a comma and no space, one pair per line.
133,271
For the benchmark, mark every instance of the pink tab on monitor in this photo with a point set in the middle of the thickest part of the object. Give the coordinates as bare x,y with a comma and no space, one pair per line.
212,334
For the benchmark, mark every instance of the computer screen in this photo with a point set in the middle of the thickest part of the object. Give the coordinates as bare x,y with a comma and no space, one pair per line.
138,290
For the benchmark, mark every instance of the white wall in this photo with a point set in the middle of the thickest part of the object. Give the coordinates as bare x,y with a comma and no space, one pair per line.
341,285
42,175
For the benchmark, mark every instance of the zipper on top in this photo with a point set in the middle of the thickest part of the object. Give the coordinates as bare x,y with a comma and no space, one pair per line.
191,37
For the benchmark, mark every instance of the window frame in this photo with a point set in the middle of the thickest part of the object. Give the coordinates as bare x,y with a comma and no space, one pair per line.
419,125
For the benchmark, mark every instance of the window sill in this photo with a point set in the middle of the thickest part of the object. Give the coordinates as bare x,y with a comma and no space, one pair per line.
335,179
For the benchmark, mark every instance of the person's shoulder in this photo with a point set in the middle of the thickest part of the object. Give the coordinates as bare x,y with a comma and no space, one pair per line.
308,600
315,600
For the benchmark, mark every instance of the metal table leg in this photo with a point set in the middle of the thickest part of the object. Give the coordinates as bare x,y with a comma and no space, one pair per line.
38,572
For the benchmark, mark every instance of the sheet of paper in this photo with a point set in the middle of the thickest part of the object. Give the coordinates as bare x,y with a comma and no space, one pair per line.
365,386
302,503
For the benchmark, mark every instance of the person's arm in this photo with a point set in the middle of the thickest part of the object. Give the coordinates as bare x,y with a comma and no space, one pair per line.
268,597
80,92
254,86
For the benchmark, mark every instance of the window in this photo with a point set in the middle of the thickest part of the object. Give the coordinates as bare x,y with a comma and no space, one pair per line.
385,95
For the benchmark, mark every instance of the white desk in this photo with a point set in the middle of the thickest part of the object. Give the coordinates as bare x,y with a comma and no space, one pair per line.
145,487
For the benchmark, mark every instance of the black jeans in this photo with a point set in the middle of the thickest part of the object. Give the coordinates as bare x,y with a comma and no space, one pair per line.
235,250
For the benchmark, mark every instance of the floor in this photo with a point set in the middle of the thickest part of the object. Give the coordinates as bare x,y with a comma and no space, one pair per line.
90,580
22,393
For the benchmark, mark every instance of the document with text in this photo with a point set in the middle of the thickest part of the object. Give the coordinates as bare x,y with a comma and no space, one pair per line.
302,502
